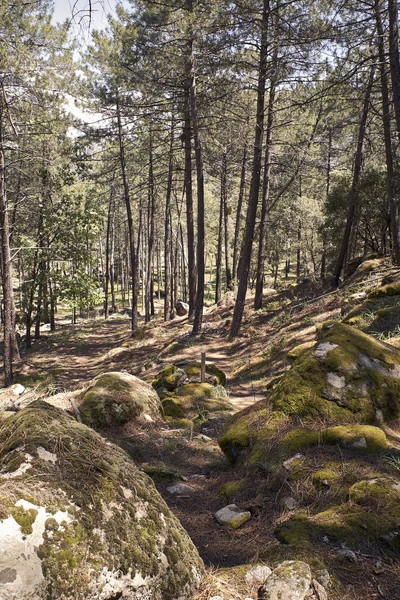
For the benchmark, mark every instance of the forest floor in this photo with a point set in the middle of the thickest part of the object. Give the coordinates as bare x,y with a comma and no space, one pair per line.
67,359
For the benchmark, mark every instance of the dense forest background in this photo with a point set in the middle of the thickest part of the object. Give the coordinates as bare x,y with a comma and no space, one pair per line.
226,146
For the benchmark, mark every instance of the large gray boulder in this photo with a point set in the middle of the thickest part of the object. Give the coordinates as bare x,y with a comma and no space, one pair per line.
115,398
78,520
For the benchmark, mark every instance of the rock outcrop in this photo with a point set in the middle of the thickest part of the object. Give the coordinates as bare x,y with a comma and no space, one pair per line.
78,521
116,398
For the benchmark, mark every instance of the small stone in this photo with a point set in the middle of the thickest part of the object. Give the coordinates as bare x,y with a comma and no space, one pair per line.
323,577
290,581
216,598
319,590
17,389
257,575
182,308
180,489
348,554
232,516
289,462
289,503
359,443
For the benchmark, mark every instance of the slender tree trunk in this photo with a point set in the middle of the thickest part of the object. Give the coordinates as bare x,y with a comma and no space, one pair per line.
198,313
108,243
262,246
188,174
355,183
395,59
391,179
239,216
328,189
131,235
218,264
10,343
245,259
167,229
224,190
151,208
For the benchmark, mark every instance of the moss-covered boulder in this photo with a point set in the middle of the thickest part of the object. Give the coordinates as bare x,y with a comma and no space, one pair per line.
172,377
370,517
348,379
79,521
116,398
168,379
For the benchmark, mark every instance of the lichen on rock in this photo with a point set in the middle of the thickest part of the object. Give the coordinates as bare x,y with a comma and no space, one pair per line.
116,398
88,526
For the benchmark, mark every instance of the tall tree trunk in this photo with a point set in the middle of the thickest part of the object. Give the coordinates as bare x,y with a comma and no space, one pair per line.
239,216
328,189
151,209
167,229
355,183
131,235
108,244
218,264
395,59
188,173
262,246
245,258
198,313
391,179
10,343
224,199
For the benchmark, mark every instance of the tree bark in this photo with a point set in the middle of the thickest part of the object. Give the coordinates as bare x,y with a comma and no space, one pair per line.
245,259
188,172
262,246
355,183
239,216
10,343
131,235
391,178
167,229
395,59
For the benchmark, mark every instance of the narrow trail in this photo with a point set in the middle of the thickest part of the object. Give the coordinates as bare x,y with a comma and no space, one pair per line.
75,354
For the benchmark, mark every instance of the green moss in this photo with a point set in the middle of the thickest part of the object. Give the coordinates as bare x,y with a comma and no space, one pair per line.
168,378
231,488
161,473
324,477
297,351
391,289
294,531
102,490
349,435
196,391
115,399
376,494
297,439
172,407
24,518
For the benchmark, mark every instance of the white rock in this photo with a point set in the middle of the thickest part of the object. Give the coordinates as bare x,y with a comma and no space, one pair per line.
21,576
290,581
17,389
322,350
359,443
232,515
336,381
289,503
289,462
216,598
45,455
319,590
257,575
180,489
